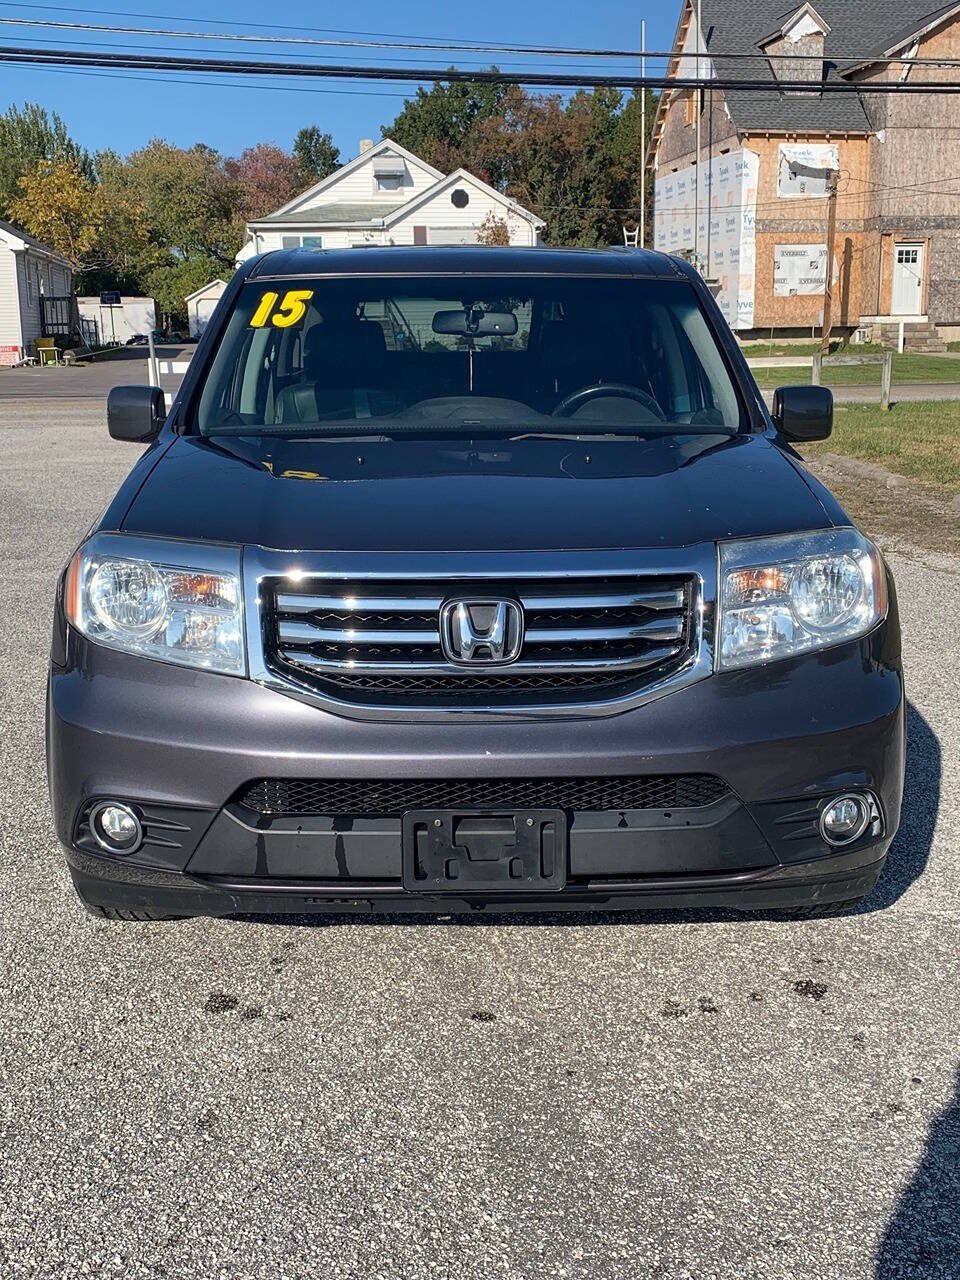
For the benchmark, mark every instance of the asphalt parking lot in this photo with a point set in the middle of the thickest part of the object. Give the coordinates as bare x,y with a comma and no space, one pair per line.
672,1095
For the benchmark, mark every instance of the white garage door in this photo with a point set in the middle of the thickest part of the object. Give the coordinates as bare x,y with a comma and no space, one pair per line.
452,235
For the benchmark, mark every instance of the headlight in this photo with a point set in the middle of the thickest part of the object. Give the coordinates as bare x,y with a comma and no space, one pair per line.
169,601
788,595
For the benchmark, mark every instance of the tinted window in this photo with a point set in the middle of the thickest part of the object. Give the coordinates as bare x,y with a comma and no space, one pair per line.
385,354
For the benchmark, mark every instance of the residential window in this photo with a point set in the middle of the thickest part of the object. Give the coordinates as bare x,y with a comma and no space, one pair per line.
389,181
301,242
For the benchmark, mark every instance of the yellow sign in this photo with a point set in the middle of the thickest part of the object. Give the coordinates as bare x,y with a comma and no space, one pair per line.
290,311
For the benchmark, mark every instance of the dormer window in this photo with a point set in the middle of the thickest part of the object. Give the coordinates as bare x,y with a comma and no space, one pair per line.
389,172
796,50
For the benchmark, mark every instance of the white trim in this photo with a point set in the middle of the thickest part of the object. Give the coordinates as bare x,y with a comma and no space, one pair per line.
387,144
198,293
796,17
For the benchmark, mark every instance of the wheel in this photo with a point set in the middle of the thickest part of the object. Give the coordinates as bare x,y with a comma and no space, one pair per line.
130,914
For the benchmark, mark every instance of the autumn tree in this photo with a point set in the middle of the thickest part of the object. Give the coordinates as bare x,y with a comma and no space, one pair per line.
493,230
438,124
189,199
570,162
266,177
315,155
28,135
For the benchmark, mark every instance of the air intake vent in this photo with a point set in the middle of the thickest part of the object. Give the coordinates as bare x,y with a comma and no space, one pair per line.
350,797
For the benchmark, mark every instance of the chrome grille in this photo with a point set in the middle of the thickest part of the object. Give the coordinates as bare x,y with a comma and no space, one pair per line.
377,642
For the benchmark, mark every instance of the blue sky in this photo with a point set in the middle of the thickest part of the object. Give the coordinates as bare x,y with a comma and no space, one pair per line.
124,110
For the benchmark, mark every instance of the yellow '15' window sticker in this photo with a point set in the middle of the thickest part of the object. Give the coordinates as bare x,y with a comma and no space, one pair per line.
291,310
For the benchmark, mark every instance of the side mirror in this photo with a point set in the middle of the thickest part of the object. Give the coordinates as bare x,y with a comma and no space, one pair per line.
803,413
136,413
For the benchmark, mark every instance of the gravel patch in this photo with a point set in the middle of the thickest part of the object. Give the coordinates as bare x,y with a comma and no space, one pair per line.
605,1098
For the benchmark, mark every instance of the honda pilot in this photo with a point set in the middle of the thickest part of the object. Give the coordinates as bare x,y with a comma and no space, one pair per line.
461,580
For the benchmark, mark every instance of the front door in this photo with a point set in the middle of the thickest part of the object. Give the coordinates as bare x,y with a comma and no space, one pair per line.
907,280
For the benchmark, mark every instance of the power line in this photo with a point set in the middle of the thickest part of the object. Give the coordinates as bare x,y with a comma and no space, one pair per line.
248,67
142,78
89,44
436,45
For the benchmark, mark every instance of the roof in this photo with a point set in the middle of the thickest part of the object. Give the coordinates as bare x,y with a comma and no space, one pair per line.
463,260
205,288
468,179
8,231
330,215
384,146
870,27
299,212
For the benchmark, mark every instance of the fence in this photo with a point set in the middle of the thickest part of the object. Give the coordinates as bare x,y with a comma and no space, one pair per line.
886,373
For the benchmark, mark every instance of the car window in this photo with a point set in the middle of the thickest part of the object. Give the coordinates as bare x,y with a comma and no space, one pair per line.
385,354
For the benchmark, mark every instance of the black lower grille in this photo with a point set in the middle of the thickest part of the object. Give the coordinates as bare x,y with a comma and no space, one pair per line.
374,798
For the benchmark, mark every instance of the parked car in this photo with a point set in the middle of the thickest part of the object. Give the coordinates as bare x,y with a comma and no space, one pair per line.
462,580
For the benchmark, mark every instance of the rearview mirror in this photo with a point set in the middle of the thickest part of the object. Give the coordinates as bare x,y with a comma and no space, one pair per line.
136,413
803,413
474,323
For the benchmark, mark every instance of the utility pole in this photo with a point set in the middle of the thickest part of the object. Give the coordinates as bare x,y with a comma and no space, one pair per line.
643,135
828,277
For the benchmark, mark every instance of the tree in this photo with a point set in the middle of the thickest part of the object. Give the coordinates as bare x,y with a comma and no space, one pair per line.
64,209
266,177
630,149
189,200
316,156
493,230
438,123
170,284
27,136
96,230
570,163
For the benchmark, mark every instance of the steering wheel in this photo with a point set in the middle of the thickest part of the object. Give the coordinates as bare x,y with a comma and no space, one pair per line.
600,390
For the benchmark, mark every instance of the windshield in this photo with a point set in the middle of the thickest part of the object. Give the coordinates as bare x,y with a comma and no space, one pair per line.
467,355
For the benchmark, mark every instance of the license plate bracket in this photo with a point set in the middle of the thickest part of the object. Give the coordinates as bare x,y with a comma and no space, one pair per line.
484,852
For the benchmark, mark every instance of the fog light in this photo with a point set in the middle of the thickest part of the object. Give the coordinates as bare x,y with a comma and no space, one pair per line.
116,827
846,818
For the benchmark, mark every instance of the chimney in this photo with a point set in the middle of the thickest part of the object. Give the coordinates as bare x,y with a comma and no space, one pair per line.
365,144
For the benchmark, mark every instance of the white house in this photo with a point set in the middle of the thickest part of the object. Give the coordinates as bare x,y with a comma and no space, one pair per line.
31,275
385,196
201,304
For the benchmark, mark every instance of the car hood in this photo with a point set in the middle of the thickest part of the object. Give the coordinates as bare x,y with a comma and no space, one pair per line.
436,495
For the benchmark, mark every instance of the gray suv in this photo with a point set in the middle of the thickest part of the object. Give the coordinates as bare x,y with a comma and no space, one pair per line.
472,579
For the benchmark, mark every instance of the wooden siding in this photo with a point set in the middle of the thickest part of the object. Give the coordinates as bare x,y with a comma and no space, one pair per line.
913,171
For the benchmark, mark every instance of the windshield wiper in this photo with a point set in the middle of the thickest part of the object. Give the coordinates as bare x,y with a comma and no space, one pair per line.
659,432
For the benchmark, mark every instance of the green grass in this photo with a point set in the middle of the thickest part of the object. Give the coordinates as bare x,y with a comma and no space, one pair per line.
906,368
838,347
953,346
921,441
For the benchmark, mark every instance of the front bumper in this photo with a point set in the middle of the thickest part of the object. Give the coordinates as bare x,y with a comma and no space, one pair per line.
181,744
